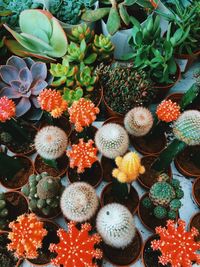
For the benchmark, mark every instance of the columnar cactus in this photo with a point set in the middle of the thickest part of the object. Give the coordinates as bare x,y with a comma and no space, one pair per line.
3,212
187,127
138,121
112,140
79,202
115,225
168,111
129,167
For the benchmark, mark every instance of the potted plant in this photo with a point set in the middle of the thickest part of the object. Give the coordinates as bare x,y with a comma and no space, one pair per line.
84,164
50,144
120,190
196,190
161,203
195,223
43,193
122,242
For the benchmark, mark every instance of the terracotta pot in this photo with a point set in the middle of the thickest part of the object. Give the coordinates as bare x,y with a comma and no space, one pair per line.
187,60
196,191
109,111
175,97
107,165
195,222
131,202
86,134
17,182
117,120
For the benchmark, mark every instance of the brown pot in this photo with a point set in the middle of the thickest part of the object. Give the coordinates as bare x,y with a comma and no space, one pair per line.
127,256
117,120
195,222
131,202
21,178
150,176
99,95
92,176
107,165
45,255
87,134
196,191
184,162
189,57
110,112
40,166
175,97
54,214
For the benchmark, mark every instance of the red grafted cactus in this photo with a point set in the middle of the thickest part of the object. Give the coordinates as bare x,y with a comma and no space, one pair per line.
168,111
7,109
76,247
82,155
26,236
82,113
177,246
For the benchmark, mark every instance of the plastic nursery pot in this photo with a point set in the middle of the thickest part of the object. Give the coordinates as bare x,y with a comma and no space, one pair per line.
162,90
41,166
195,222
196,191
150,176
124,257
21,177
186,60
117,120
131,202
185,164
44,255
87,134
92,176
109,111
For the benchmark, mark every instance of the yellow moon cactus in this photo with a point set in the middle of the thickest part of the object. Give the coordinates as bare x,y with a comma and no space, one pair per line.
129,168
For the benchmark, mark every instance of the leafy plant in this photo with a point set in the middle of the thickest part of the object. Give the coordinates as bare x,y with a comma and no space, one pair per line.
72,95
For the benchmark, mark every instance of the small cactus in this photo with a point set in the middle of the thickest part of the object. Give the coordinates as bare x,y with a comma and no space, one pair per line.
129,167
5,137
79,202
160,212
3,212
138,121
115,225
168,111
112,140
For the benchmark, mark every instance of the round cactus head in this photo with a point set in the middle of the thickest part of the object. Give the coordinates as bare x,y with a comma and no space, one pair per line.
79,202
187,127
161,193
112,140
48,187
168,111
116,226
51,142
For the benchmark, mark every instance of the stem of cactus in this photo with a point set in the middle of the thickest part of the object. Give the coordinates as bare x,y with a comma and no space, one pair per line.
120,190
9,166
166,157
51,162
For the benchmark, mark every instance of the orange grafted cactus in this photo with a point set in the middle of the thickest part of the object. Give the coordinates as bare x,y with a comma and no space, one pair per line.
168,111
7,109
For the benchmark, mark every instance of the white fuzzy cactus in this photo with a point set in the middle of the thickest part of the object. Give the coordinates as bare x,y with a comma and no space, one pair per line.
112,140
116,226
79,202
51,142
138,121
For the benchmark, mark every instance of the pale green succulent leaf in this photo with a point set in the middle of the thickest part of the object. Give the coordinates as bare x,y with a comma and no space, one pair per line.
37,43
94,15
113,23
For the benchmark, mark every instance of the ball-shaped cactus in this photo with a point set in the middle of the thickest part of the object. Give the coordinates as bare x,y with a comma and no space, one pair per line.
161,193
160,212
51,142
138,121
112,140
187,127
79,202
48,187
116,226
168,111
3,211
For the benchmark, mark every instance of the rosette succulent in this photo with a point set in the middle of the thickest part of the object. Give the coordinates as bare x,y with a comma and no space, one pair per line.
103,47
85,78
22,80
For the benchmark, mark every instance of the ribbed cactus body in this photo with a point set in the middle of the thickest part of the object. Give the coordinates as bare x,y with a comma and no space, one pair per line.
187,127
115,225
112,140
48,187
161,193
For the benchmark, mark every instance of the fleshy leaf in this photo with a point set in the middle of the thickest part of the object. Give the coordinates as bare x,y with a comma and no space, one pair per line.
39,71
8,73
16,62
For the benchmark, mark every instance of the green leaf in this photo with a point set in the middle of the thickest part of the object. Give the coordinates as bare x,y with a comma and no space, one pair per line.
51,162
9,166
129,2
94,15
39,44
82,46
189,96
5,13
124,14
113,23
90,59
135,22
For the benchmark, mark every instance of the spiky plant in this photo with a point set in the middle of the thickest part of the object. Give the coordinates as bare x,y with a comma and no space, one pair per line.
115,225
79,202
3,212
168,111
138,121
112,140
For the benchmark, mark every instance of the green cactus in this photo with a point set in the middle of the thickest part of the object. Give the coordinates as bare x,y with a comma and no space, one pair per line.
3,212
179,193
5,137
147,203
175,183
161,193
104,48
175,205
72,95
81,32
85,78
160,212
172,215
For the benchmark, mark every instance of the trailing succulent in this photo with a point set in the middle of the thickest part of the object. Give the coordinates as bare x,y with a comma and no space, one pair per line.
164,198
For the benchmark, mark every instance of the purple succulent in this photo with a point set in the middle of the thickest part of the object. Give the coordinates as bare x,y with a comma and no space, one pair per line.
22,80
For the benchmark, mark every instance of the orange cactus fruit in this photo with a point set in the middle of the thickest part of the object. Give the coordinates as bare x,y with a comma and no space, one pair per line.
168,111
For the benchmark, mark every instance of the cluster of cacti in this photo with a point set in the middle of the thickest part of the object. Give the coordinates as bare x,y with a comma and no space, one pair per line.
8,109
112,140
26,236
116,226
164,198
125,87
43,192
187,127
79,202
3,212
129,168
168,111
177,246
80,250
82,155
52,102
103,46
138,121
82,113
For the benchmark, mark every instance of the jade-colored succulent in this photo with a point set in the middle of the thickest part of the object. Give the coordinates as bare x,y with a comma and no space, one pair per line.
104,48
85,78
72,95
3,212
81,32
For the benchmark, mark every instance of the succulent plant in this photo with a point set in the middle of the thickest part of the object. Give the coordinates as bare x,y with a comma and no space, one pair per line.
138,121
116,226
160,212
43,192
168,111
72,95
22,80
41,36
3,212
112,140
79,202
81,32
86,78
103,47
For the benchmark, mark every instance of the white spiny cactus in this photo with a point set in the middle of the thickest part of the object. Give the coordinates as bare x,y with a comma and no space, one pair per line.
51,142
112,140
116,226
79,202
